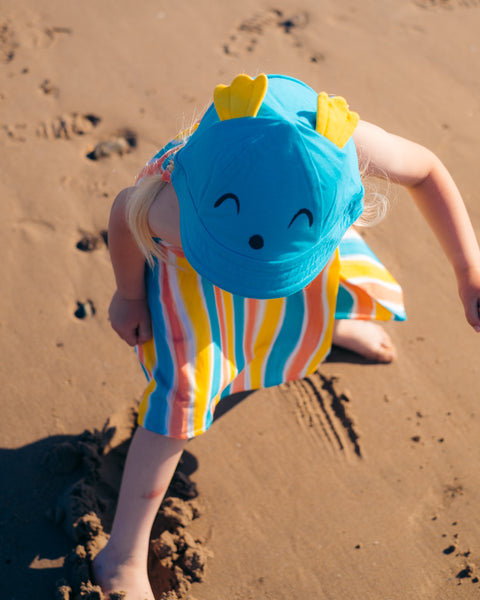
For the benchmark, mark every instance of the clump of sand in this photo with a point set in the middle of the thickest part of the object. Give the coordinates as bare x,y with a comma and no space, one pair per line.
85,510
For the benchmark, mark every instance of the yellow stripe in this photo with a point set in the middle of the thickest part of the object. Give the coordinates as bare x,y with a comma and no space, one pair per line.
358,268
229,351
189,283
150,355
382,313
150,359
263,342
331,290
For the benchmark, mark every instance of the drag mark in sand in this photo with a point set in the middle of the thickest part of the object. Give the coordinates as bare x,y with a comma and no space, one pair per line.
322,409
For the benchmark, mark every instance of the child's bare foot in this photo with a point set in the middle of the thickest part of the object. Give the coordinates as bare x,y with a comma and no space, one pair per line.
128,577
365,338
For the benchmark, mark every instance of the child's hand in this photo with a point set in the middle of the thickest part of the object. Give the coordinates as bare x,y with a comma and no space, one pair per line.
130,319
469,291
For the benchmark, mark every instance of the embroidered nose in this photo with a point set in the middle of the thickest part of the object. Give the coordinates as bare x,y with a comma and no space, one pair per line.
256,242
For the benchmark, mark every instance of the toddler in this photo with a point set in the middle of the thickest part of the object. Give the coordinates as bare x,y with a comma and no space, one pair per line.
237,268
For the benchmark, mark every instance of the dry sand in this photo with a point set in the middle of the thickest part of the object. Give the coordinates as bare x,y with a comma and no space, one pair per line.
361,482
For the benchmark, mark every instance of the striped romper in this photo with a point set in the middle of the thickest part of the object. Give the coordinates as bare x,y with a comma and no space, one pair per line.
208,343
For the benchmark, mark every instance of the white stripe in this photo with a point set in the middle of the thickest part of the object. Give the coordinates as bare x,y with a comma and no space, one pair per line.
395,287
211,357
394,307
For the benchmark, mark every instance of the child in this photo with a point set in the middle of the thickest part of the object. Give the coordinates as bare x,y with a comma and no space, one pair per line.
245,223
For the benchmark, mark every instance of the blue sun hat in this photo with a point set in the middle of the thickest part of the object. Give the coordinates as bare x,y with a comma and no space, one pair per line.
267,185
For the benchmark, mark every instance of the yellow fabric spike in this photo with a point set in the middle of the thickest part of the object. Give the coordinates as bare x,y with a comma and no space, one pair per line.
334,119
242,98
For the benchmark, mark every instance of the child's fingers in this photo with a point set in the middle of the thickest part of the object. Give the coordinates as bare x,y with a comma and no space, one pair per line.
143,332
476,315
472,313
128,335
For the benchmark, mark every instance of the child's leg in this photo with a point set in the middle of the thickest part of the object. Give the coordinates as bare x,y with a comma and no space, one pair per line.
150,464
365,338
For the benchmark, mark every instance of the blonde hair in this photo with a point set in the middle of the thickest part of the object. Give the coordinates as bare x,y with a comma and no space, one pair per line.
138,208
375,204
375,200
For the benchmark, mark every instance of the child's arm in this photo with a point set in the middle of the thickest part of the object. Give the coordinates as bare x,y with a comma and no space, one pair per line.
438,199
129,314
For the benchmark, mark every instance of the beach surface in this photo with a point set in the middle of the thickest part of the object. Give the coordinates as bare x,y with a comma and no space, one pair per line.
361,481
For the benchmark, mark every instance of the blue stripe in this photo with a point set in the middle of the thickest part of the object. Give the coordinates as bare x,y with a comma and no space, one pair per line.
156,417
401,315
239,317
345,302
287,339
239,329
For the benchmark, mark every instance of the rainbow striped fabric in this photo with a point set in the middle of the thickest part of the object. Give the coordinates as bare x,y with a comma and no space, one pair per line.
366,289
208,343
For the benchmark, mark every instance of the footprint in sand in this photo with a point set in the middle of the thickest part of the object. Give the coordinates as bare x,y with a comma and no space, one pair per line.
448,4
36,230
120,144
92,241
85,309
8,43
48,36
249,33
16,132
49,89
67,126
42,38
63,127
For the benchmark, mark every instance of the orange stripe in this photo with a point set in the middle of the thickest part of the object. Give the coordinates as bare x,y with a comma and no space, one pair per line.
377,291
364,305
313,330
252,308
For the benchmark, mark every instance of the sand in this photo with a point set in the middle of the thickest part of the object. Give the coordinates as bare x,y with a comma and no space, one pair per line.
360,482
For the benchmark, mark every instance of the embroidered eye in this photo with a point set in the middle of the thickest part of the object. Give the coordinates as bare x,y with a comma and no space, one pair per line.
307,213
222,199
